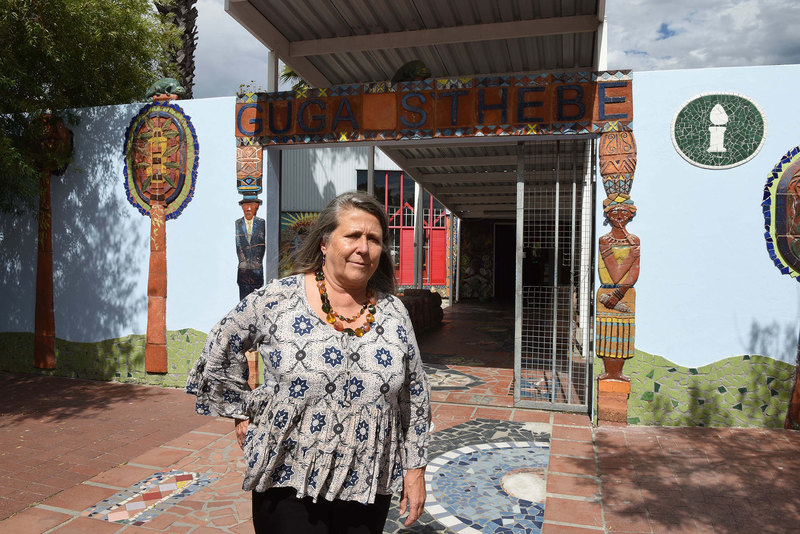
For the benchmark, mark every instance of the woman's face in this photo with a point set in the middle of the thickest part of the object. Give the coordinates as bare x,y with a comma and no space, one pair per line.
353,250
619,217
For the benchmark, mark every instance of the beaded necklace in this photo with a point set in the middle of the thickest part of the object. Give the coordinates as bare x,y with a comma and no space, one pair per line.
336,320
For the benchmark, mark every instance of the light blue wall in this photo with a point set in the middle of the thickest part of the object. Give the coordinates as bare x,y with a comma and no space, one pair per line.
100,241
707,284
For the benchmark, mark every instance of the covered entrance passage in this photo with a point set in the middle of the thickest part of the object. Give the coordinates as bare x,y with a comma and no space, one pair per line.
526,212
495,113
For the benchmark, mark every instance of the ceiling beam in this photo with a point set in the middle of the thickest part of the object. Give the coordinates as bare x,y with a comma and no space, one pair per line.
466,177
477,190
481,201
464,161
260,27
449,35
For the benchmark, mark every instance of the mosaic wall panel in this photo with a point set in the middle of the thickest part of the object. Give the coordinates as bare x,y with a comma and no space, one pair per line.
120,359
477,260
294,227
718,130
741,391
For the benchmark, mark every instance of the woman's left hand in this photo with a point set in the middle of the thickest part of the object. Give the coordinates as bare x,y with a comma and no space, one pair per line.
413,496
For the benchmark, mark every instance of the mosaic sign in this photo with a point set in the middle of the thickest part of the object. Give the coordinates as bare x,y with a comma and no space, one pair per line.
160,159
718,130
536,104
781,207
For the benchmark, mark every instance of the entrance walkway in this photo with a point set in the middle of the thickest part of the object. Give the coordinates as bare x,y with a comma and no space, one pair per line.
93,457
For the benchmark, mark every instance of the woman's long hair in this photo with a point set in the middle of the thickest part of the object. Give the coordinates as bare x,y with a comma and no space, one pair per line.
308,256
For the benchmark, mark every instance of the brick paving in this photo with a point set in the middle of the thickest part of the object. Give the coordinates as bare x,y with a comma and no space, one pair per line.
66,445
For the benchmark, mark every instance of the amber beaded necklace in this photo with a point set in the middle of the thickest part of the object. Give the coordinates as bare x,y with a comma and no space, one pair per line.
336,320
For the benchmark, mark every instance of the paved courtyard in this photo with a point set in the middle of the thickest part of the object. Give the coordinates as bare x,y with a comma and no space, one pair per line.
94,457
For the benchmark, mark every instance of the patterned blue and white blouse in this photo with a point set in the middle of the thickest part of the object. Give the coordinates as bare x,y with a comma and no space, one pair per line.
338,417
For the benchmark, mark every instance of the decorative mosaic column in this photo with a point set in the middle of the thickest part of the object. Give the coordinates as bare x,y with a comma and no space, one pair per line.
619,270
249,180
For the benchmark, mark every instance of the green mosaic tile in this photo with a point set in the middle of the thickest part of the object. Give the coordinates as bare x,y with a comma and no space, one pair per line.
730,392
647,396
120,359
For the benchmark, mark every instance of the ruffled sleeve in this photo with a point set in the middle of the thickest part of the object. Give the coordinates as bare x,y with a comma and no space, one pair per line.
415,405
219,376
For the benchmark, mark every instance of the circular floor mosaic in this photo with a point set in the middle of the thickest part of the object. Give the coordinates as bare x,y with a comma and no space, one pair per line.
480,488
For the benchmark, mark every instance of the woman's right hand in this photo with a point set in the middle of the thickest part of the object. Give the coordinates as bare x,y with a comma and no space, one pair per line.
241,430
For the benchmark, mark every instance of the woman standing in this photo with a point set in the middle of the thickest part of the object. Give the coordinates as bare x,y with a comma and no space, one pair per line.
341,421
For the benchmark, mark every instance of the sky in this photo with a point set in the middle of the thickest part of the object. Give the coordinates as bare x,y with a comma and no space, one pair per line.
643,35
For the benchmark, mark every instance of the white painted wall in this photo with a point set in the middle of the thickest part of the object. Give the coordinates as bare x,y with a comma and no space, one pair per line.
707,282
101,242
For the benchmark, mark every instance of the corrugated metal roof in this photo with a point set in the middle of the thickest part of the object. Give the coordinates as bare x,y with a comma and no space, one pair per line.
334,42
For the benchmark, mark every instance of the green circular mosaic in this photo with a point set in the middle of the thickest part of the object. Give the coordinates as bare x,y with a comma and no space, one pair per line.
719,130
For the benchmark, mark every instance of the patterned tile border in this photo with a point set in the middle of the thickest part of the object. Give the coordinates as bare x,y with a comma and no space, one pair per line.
150,497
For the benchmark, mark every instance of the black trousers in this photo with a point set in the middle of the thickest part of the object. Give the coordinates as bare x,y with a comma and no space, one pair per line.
279,511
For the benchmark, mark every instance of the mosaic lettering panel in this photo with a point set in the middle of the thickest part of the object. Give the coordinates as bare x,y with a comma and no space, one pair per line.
719,130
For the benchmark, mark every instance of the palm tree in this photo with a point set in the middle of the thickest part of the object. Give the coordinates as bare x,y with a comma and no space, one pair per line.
288,75
183,15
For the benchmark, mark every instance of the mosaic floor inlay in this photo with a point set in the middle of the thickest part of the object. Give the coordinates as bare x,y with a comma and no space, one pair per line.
150,497
466,488
527,444
442,378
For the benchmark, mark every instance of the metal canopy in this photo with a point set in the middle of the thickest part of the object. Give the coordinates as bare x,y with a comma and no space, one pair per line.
334,42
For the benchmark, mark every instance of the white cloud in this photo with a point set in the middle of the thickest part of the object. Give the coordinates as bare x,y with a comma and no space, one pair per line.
643,35
719,33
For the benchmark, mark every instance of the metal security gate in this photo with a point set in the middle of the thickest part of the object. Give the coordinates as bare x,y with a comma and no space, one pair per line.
554,275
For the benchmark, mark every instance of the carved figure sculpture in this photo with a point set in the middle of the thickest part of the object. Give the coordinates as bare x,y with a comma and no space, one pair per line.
619,270
250,247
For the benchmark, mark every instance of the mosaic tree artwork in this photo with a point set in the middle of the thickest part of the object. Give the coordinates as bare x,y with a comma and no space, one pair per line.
161,158
619,256
55,150
781,207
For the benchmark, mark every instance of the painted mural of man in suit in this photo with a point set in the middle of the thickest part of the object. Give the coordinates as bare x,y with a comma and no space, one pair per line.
250,247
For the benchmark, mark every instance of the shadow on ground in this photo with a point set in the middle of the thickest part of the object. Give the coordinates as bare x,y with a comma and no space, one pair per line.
699,479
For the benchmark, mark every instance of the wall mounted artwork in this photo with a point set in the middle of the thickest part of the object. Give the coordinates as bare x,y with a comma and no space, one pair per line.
781,207
294,227
161,158
719,130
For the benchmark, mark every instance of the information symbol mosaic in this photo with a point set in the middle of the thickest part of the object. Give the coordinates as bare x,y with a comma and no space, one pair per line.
719,130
